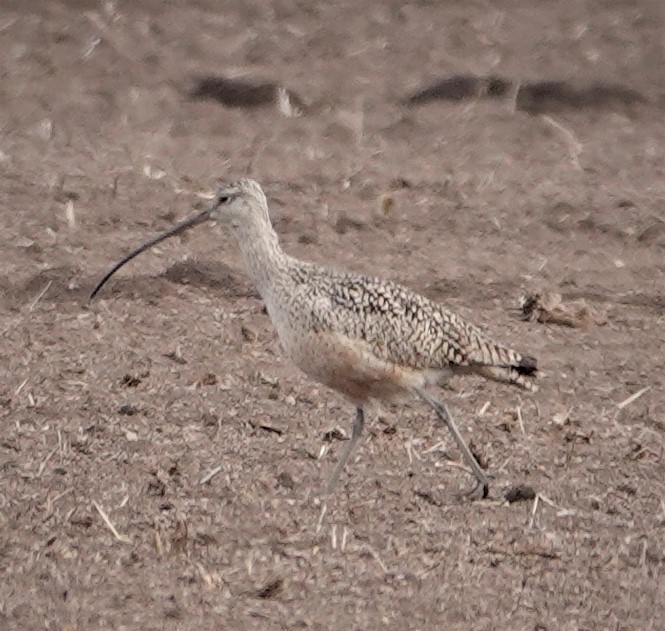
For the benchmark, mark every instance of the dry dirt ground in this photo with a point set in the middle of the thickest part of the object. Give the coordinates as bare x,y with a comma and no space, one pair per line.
115,118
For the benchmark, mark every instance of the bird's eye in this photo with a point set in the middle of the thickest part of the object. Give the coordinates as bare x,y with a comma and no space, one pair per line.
222,199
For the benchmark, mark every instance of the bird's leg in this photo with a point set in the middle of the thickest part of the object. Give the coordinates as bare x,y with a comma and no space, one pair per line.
356,433
443,413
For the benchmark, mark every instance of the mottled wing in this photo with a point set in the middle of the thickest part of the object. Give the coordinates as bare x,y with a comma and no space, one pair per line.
410,330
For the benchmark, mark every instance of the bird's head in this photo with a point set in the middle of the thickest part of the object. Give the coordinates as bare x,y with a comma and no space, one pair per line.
237,204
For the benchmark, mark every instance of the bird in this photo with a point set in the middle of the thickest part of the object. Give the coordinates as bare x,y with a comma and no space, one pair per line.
362,336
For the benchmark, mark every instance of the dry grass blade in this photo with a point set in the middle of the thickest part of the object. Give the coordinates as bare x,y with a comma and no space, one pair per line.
534,510
574,145
20,387
288,104
39,296
120,537
180,536
633,397
375,555
210,475
322,514
70,214
43,463
520,419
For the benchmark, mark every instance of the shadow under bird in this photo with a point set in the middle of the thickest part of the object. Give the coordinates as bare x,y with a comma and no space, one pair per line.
365,337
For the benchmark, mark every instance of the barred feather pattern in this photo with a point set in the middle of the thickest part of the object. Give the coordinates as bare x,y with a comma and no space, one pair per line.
401,326
346,329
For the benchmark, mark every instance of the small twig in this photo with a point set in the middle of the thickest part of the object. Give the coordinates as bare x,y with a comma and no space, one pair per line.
96,41
266,427
534,509
411,452
535,404
319,523
70,215
210,475
39,296
8,24
111,527
525,552
333,536
60,496
643,556
429,569
345,534
407,446
377,558
574,145
440,445
458,465
548,501
110,37
159,544
43,463
520,420
18,390
561,512
50,501
633,397
513,96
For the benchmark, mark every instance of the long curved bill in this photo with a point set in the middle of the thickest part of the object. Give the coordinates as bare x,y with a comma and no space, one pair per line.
176,230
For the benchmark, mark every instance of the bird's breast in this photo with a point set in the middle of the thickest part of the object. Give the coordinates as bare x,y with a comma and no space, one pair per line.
351,367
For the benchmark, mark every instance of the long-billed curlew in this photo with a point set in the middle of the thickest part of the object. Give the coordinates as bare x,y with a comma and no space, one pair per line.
364,337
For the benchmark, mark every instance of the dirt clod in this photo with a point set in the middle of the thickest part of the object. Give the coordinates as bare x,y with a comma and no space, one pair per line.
271,589
550,308
209,379
520,493
132,381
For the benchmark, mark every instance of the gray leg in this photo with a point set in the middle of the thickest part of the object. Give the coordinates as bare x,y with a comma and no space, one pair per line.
356,433
443,413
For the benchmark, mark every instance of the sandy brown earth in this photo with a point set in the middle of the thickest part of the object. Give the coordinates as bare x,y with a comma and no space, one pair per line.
475,151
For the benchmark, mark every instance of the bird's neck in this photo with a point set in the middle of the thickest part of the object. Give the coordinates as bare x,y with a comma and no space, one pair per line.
264,258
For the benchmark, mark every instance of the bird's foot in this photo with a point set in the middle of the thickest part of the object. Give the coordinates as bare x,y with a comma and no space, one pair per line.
479,492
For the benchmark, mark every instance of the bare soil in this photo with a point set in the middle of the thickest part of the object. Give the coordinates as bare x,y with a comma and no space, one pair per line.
475,151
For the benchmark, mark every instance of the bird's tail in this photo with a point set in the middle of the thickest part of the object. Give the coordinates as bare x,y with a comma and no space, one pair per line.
503,364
